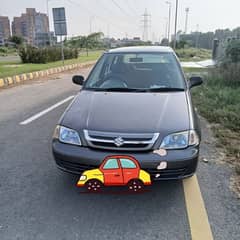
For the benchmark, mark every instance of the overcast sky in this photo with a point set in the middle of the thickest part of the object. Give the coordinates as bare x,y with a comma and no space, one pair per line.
125,19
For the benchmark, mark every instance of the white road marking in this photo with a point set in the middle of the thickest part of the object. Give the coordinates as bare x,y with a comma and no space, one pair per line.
40,114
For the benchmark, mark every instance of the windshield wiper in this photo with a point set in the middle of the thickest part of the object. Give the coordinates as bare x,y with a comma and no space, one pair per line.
165,89
115,89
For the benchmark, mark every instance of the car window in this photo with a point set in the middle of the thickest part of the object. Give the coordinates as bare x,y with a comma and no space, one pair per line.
147,58
142,71
111,164
126,163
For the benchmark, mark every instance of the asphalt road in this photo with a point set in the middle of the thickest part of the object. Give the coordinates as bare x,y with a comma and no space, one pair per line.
37,201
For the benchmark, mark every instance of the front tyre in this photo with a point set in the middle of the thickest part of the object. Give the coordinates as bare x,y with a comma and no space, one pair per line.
93,185
135,185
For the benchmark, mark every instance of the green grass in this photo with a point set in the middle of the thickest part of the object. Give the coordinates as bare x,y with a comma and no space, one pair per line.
193,54
4,51
219,104
218,101
189,70
8,69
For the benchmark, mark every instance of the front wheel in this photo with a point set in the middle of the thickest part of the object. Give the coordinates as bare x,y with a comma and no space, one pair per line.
135,185
93,185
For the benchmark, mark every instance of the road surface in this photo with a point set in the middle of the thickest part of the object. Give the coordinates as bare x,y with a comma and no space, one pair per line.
37,201
10,58
202,64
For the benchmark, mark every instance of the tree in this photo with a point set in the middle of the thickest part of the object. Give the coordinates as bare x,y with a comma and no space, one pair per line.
17,40
233,51
164,42
91,41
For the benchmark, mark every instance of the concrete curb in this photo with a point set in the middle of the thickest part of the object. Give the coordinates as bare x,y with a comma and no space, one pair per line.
8,81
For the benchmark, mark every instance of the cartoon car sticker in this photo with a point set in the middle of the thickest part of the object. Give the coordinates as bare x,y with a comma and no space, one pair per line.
116,171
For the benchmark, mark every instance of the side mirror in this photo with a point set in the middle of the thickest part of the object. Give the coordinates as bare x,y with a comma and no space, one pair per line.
77,79
195,81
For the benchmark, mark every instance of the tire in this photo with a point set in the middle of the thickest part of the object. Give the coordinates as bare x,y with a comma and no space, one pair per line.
93,185
135,185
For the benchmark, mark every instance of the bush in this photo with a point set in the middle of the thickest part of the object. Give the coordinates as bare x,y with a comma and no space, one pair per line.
227,74
17,40
218,99
233,51
3,50
30,54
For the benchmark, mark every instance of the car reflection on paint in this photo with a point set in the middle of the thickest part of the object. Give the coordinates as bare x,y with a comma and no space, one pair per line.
116,171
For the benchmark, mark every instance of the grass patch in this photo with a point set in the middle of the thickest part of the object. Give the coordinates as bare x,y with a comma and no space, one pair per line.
4,51
194,54
189,70
218,100
8,69
219,103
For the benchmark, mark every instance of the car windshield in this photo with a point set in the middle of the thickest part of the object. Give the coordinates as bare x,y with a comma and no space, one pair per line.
136,72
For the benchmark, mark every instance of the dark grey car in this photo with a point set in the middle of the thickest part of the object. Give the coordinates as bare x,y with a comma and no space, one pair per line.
136,101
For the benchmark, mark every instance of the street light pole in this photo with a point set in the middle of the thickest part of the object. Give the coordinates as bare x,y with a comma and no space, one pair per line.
176,22
169,19
166,29
47,7
49,35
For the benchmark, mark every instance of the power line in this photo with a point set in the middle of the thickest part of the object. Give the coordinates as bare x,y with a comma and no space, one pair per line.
121,9
131,8
97,16
101,3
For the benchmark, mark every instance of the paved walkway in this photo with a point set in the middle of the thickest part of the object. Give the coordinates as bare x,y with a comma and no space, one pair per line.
202,64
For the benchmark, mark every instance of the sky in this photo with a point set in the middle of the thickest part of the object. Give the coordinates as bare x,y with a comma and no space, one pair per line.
123,18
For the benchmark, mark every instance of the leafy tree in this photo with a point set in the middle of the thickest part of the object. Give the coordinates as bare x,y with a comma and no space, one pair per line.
181,44
92,41
17,40
233,51
164,42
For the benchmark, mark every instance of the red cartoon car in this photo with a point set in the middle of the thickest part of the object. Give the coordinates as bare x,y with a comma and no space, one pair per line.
116,171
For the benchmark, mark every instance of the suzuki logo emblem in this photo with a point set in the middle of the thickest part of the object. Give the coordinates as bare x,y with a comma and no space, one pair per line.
118,141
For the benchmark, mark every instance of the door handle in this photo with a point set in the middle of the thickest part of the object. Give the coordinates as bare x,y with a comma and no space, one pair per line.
117,175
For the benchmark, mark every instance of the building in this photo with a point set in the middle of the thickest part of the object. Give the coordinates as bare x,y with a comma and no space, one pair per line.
113,43
4,29
45,39
31,25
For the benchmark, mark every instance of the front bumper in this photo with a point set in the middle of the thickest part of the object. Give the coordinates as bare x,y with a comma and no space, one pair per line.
76,160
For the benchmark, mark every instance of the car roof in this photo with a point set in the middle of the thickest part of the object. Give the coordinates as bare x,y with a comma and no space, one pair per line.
142,49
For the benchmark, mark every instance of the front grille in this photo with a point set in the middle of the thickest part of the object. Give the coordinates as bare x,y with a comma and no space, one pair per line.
120,141
165,174
74,167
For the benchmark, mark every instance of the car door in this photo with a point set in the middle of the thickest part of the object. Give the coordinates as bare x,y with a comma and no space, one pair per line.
130,169
112,172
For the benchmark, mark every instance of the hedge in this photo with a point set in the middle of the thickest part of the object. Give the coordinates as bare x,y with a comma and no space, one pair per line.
30,54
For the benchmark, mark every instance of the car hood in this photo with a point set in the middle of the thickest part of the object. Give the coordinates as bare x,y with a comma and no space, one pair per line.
128,112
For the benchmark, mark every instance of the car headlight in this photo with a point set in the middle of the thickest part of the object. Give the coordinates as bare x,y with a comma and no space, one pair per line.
180,140
83,178
67,135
